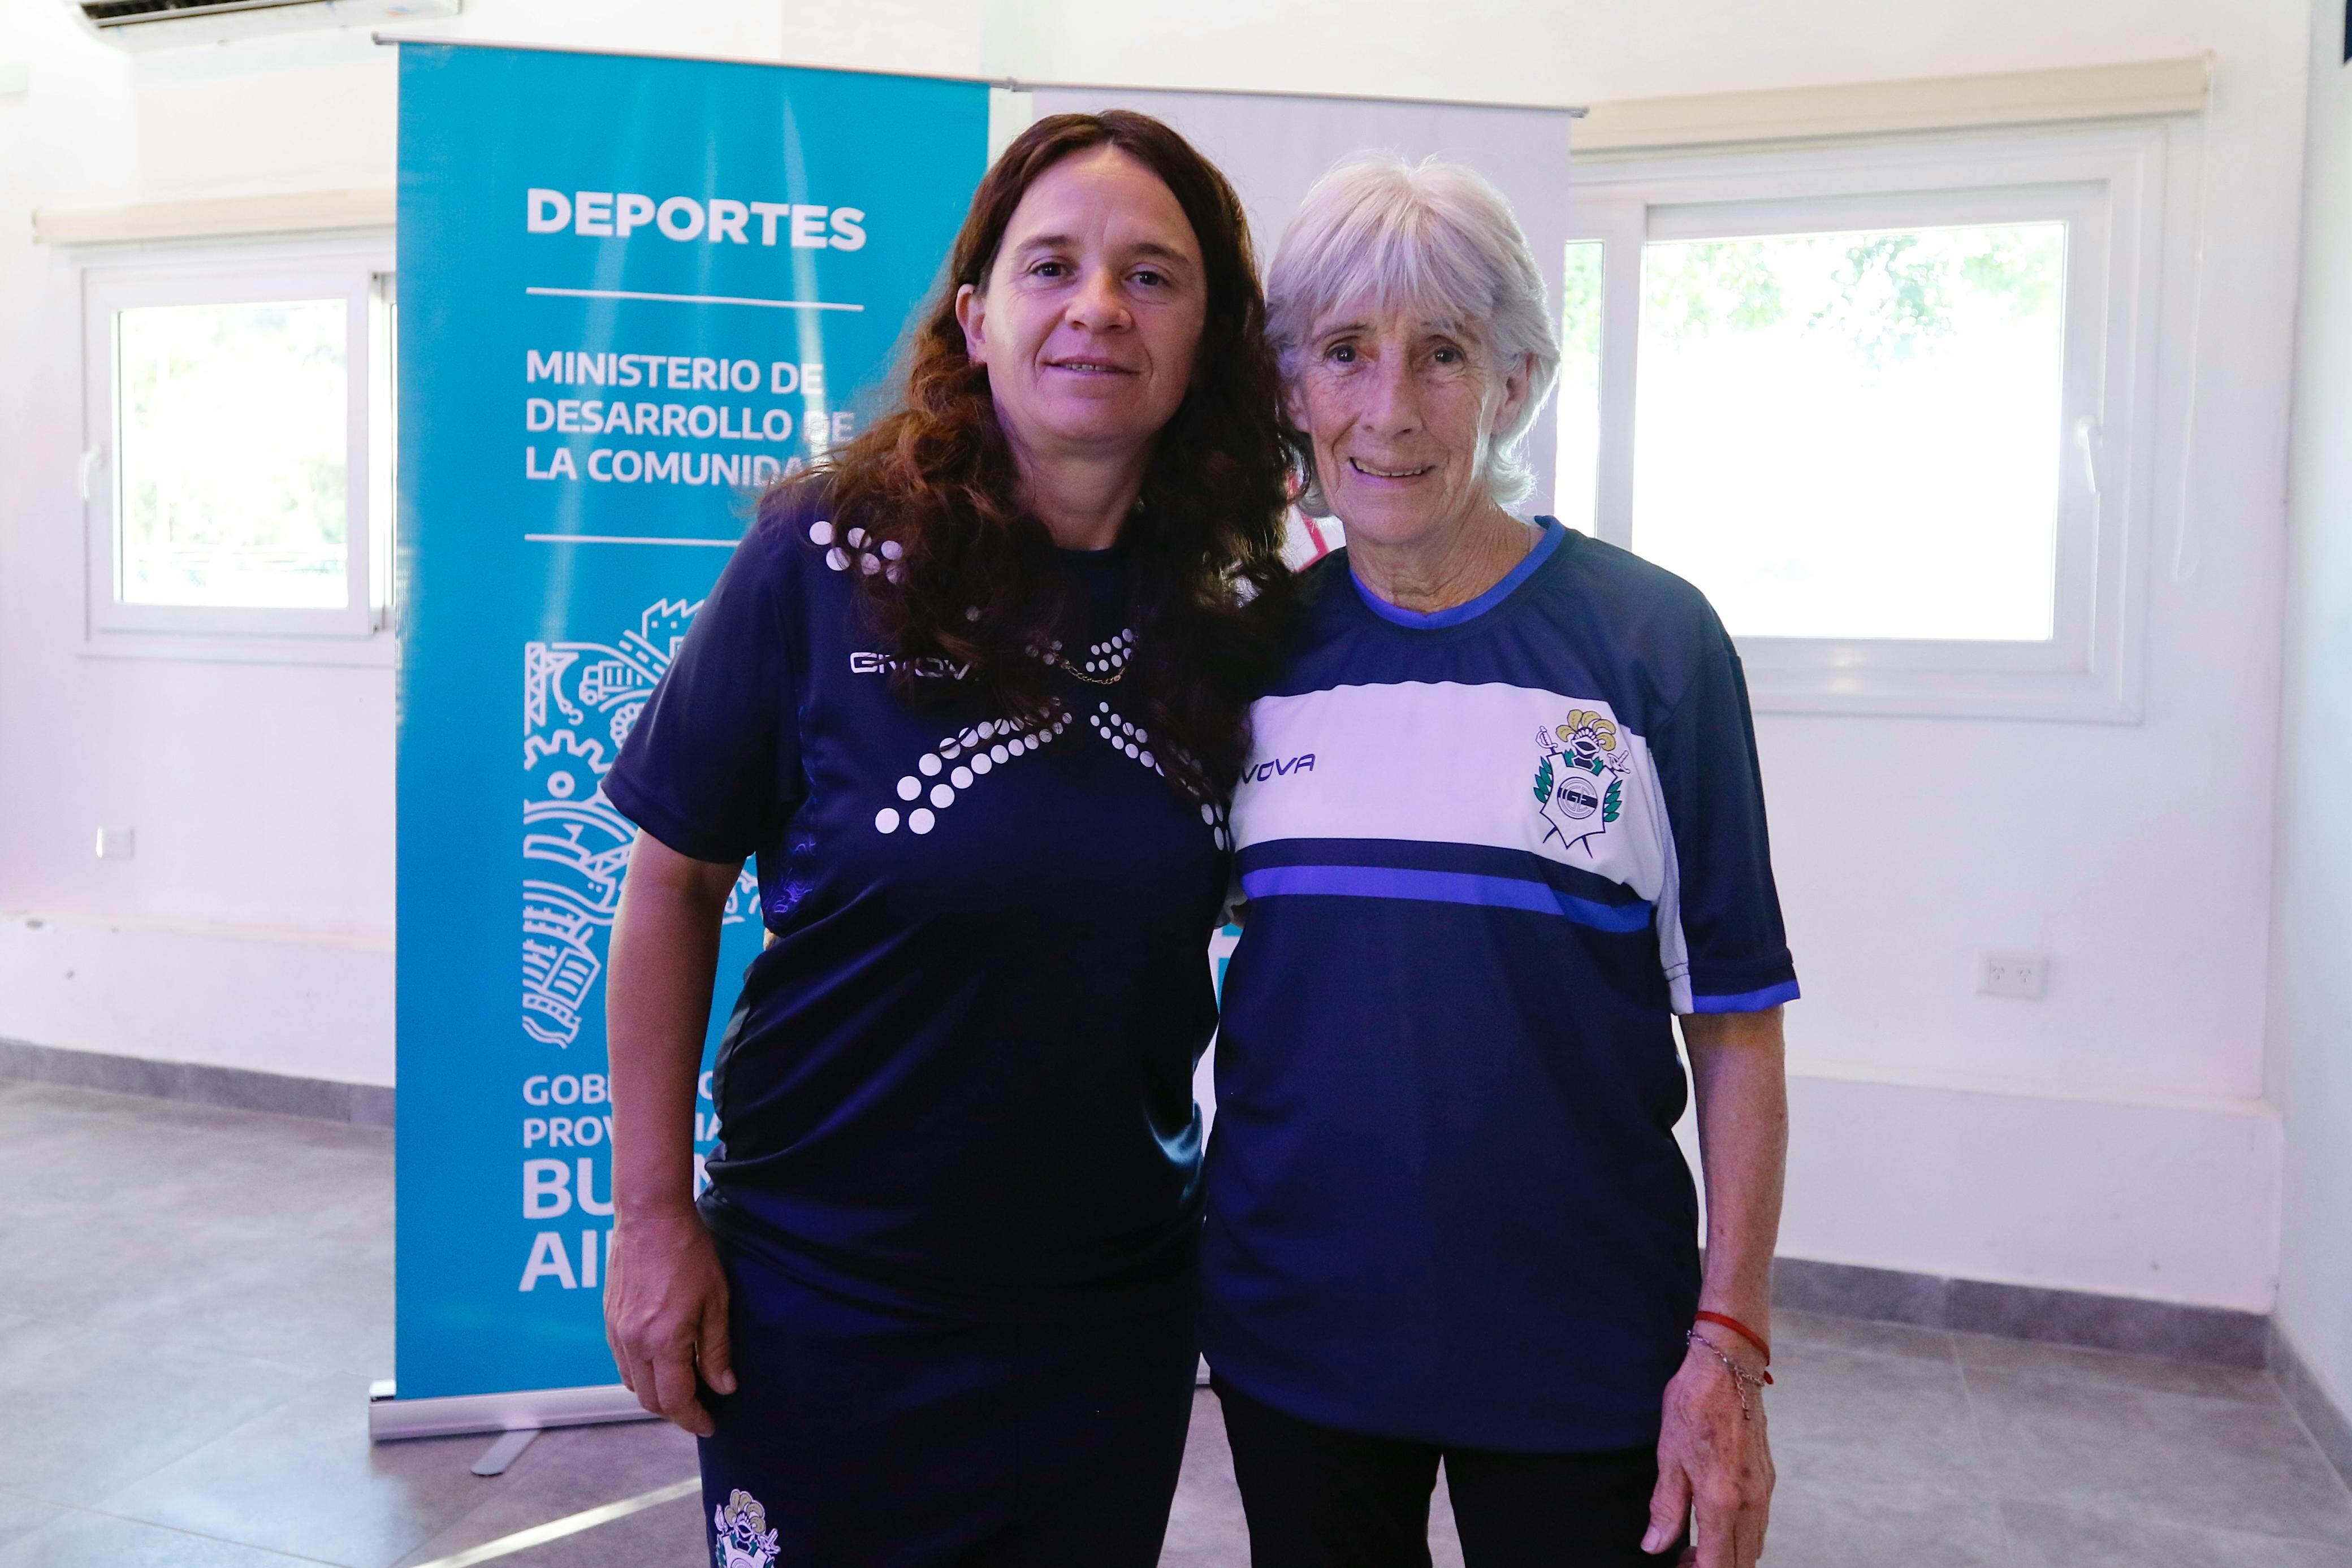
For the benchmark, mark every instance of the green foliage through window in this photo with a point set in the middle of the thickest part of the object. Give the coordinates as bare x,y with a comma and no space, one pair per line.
1886,292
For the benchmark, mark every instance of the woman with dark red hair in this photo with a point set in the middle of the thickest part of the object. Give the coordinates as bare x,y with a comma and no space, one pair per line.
974,695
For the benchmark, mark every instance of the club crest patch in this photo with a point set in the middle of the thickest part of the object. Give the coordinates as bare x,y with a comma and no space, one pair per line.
1579,783
742,1538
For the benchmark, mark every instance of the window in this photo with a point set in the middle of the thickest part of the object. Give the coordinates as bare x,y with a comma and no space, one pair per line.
1878,404
1851,435
1577,393
238,452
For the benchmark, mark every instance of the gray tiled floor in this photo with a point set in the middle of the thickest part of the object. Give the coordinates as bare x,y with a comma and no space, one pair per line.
191,1301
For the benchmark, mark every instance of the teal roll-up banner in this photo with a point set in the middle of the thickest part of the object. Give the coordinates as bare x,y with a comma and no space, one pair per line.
631,292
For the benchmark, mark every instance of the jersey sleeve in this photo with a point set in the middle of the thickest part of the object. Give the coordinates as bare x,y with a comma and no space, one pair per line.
712,766
1720,936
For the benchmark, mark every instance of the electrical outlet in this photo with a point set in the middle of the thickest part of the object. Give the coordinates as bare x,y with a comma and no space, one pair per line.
117,843
2018,975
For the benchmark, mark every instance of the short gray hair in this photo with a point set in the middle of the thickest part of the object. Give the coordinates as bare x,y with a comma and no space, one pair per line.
1432,234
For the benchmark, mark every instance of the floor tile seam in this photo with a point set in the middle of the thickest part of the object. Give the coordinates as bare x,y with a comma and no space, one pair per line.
1949,1357
2093,1380
192,1339
183,1529
400,1549
2009,1541
424,1532
148,1474
75,1332
1948,1361
2144,1517
2343,1482
2216,1402
1984,1454
2141,1517
180,1340
266,1411
167,1339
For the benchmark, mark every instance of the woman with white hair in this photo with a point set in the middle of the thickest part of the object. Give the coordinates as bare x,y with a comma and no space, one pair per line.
1502,823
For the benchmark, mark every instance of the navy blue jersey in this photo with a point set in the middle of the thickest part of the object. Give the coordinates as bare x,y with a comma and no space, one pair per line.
1488,854
962,1070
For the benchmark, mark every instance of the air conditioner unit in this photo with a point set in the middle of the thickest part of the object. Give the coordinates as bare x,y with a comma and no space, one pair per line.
156,24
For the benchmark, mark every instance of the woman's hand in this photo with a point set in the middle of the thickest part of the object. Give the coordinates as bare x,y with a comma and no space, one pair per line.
666,1313
1714,1460
664,1294
1711,1460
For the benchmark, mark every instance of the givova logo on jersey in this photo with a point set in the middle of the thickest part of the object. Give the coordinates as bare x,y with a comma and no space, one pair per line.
1579,783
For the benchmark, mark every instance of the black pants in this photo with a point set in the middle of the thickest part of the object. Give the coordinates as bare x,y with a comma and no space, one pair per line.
868,1436
1320,1498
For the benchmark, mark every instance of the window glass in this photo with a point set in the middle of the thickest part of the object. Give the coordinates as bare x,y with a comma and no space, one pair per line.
234,422
1856,435
1578,396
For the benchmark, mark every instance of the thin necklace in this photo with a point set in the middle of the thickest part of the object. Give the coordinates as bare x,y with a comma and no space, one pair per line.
1072,671
1120,648
1124,643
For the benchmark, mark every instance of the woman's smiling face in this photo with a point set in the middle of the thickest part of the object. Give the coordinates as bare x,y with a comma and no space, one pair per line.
1402,409
1090,320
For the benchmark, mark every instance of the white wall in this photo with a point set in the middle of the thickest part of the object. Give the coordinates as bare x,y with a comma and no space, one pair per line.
1590,51
2311,973
2136,856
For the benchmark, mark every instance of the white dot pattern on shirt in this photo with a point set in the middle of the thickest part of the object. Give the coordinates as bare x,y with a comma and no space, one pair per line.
1124,736
992,742
984,747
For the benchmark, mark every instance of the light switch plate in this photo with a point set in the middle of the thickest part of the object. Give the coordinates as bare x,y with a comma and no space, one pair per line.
117,843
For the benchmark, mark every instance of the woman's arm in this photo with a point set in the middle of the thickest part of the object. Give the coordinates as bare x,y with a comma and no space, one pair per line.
665,1295
1739,1072
1713,1457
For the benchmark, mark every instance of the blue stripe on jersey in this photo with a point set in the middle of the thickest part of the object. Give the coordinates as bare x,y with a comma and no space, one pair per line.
1441,887
1745,1001
1553,532
1429,855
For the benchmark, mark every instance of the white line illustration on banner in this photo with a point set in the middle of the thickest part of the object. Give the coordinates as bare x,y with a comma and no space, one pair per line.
579,701
693,299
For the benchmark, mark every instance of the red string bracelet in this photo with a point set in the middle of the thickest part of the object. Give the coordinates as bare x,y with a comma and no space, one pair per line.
1742,1330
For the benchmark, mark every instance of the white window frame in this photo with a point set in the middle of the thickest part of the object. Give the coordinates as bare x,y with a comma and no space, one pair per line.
2106,182
358,271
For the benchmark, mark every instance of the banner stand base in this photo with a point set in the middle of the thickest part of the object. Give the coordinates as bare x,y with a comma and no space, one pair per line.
391,1418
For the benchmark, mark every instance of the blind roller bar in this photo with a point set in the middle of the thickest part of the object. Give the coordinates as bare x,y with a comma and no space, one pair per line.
291,212
2135,90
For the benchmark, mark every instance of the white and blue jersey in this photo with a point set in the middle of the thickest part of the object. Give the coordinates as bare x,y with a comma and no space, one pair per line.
1487,853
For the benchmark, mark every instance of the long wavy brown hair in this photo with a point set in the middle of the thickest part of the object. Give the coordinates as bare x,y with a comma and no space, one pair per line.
1209,597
